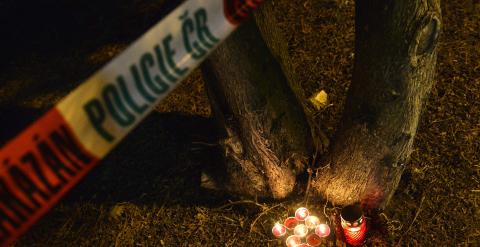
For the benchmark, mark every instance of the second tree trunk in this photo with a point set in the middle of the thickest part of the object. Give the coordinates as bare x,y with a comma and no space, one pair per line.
395,55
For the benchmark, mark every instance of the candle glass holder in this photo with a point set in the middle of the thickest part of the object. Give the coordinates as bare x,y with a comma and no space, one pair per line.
353,224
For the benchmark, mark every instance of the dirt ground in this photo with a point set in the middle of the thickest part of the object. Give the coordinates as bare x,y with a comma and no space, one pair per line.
146,192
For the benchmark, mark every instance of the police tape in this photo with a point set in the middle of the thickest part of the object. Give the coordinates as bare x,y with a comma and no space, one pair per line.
48,158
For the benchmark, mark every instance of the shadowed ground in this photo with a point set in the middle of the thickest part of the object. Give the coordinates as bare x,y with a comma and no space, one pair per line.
146,192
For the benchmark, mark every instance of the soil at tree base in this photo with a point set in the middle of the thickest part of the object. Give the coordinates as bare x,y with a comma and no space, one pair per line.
147,193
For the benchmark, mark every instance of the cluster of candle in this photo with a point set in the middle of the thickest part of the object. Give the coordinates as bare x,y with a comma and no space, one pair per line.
302,225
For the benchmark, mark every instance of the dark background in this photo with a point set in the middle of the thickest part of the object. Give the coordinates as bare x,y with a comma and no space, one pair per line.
146,192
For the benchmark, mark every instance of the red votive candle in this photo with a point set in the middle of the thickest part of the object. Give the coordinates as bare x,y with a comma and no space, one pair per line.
301,213
279,230
354,225
313,240
290,223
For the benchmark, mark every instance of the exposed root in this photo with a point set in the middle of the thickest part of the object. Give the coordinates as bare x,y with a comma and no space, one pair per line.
263,207
262,214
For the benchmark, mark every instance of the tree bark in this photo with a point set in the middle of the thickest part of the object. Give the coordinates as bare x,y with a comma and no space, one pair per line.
395,57
278,46
266,140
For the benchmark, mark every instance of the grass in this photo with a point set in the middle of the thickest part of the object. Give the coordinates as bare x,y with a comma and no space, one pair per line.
146,192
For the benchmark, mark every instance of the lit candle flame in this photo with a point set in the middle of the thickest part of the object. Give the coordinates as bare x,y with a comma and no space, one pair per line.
322,230
279,230
354,229
301,230
312,221
293,241
301,213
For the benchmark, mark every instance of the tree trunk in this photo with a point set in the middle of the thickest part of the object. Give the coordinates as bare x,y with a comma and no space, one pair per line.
266,140
395,57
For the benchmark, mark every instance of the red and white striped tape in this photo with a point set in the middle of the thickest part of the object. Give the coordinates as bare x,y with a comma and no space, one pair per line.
42,163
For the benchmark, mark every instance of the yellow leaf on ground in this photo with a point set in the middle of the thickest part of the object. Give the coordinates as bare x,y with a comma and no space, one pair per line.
319,100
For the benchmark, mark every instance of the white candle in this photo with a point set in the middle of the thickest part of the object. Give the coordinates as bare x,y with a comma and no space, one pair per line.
301,213
322,230
300,230
293,241
279,230
312,221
